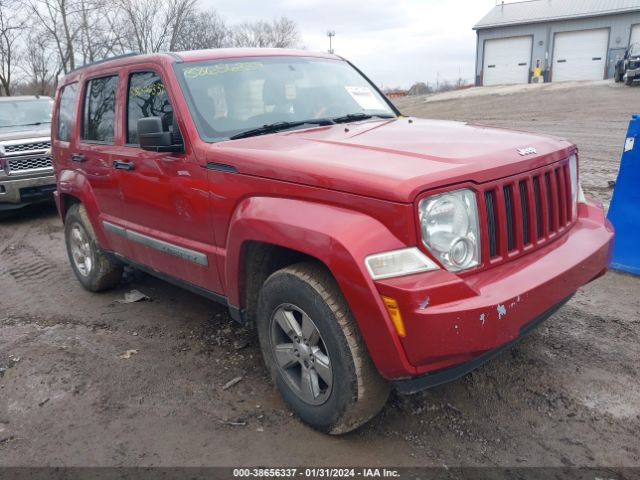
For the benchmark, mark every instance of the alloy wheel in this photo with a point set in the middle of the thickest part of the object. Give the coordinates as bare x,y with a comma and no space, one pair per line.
301,354
81,250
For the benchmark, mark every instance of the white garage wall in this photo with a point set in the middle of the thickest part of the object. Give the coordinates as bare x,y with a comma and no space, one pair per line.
635,34
507,61
580,55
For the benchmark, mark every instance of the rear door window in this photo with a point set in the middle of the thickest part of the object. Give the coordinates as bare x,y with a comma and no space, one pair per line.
98,119
66,112
147,97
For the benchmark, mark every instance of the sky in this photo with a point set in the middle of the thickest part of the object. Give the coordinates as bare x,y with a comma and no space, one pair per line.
394,42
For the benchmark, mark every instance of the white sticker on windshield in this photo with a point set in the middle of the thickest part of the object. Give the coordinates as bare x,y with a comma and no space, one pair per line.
365,98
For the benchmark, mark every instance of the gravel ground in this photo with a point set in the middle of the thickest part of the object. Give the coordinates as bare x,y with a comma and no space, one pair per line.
87,380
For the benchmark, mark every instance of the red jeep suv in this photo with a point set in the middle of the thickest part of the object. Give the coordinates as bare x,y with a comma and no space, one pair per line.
368,249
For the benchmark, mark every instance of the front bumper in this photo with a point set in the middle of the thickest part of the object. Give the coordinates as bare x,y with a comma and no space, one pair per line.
16,192
464,320
433,379
633,74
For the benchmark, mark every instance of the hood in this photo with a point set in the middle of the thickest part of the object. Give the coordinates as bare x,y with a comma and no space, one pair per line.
392,159
30,131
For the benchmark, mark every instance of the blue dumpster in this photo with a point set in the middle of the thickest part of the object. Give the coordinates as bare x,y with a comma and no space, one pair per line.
624,211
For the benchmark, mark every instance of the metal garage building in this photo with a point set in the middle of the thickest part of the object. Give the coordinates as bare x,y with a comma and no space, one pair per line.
567,39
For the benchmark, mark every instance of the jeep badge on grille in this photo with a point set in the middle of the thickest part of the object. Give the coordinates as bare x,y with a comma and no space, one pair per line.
527,151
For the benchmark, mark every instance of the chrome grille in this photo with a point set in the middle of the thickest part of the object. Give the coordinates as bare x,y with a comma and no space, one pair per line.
25,165
27,147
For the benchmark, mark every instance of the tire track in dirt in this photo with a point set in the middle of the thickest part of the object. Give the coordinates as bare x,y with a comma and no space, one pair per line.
33,263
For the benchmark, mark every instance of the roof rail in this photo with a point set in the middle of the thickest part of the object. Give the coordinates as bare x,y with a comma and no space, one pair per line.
97,62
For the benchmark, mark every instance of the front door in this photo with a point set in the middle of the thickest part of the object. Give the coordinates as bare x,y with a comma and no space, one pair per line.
166,207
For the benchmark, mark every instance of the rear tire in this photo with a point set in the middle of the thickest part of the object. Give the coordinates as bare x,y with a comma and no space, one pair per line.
95,270
321,366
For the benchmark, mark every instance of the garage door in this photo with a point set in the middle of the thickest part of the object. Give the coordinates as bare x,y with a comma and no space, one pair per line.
635,35
580,55
507,61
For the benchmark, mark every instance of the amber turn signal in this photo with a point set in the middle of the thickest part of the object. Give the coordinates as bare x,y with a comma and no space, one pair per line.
394,312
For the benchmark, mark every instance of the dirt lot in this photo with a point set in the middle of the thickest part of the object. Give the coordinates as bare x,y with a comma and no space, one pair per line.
567,395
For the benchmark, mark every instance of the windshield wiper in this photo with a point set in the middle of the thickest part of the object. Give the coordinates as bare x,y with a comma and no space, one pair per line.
279,126
354,117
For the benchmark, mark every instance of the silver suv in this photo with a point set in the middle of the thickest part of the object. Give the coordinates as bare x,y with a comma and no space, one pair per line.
26,170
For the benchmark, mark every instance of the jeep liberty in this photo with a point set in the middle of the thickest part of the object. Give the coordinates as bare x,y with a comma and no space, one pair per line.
369,250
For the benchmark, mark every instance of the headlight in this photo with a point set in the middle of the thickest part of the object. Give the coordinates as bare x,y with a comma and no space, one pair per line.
575,186
450,230
581,197
398,263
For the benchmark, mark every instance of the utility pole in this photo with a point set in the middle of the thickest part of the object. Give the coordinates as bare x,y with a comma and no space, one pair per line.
331,34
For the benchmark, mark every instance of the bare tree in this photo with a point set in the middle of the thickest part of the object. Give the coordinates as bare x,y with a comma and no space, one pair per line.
202,30
11,27
279,33
284,33
461,83
419,88
55,16
41,69
96,38
249,34
153,25
58,35
180,12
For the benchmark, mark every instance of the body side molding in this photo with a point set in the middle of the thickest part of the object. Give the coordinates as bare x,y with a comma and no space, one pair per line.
161,245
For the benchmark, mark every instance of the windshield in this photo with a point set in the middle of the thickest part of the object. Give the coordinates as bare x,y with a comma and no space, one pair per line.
229,97
634,49
19,113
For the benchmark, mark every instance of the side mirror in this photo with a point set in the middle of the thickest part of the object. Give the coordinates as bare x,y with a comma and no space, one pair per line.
152,136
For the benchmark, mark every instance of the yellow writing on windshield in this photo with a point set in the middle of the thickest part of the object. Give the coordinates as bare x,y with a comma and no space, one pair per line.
220,68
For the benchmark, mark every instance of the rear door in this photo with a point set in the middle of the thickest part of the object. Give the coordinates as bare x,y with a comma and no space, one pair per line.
166,205
580,55
98,130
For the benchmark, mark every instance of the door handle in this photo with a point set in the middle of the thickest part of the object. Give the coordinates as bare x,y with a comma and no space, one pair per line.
122,165
77,157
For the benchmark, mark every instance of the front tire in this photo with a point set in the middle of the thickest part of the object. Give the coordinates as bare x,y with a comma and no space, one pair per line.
95,270
314,351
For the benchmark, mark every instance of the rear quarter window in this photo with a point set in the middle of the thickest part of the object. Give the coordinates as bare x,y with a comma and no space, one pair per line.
66,112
